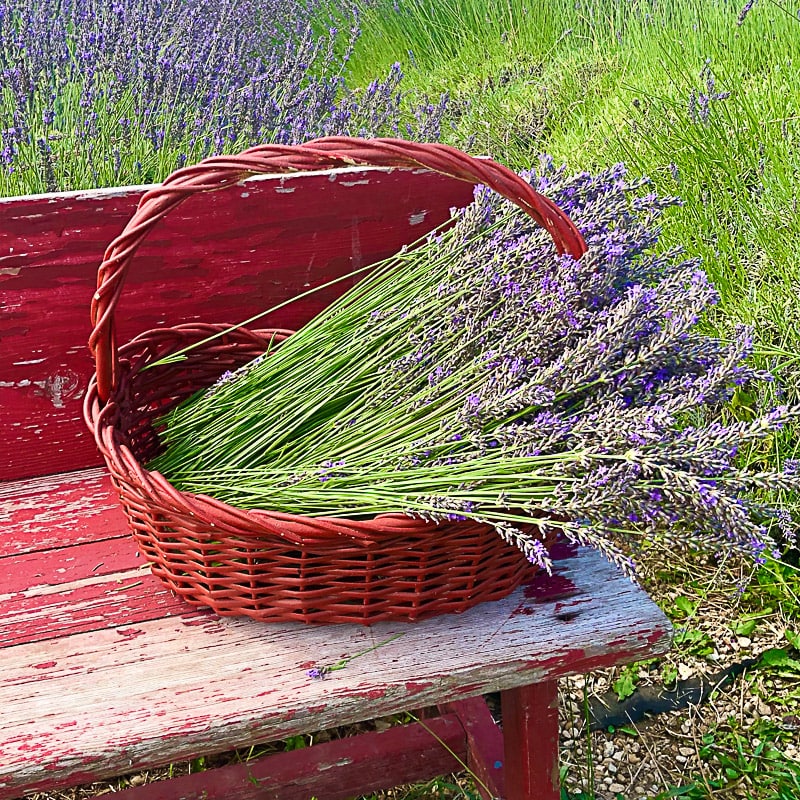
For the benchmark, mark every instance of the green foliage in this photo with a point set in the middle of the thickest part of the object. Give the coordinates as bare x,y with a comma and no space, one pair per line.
669,674
694,642
745,626
683,608
743,763
775,588
625,684
198,764
778,658
296,742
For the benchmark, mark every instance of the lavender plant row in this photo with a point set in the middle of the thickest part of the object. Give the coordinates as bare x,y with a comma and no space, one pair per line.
483,377
110,92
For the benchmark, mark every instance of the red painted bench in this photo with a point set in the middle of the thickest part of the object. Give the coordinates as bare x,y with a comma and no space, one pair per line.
103,671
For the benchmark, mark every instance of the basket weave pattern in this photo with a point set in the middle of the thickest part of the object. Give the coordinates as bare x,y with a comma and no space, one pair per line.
268,565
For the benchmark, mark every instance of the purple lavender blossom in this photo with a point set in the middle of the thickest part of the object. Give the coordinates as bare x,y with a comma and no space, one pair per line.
700,103
746,9
526,387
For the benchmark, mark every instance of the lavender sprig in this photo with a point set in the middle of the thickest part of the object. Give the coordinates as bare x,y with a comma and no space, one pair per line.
317,673
484,377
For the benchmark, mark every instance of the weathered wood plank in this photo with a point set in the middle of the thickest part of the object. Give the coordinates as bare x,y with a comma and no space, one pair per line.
51,511
334,770
102,703
42,573
485,747
97,603
220,257
530,729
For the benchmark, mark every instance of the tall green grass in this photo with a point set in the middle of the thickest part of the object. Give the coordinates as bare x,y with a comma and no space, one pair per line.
598,81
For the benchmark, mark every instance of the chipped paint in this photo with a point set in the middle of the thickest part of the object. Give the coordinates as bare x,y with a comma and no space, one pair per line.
226,682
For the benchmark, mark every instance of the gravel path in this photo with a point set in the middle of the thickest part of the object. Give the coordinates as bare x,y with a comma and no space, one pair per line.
661,752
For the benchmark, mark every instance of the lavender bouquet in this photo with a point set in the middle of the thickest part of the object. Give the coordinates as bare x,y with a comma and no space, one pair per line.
481,376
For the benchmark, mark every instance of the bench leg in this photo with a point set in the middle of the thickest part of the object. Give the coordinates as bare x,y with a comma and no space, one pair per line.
484,745
530,733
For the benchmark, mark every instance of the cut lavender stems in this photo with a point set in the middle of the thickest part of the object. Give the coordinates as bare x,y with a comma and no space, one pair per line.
483,377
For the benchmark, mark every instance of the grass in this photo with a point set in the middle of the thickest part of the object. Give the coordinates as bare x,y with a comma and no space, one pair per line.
600,81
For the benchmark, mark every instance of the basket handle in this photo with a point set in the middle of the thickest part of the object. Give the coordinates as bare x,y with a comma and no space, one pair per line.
330,152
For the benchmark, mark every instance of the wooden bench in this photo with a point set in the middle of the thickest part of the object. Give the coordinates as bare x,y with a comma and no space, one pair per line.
103,671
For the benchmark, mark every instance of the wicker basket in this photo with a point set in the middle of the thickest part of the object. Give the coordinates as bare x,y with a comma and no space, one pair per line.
265,565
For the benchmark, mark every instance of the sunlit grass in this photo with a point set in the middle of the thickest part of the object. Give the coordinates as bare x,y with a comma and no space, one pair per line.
597,82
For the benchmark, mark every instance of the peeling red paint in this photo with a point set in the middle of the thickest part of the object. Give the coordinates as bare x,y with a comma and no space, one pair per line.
130,633
64,237
45,665
544,588
658,634
413,687
198,618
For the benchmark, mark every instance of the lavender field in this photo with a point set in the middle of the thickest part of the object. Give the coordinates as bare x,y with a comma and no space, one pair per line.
98,93
698,98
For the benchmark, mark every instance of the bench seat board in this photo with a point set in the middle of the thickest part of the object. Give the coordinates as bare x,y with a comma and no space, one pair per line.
131,677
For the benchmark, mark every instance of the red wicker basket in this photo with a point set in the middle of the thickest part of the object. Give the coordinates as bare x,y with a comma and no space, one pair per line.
265,565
